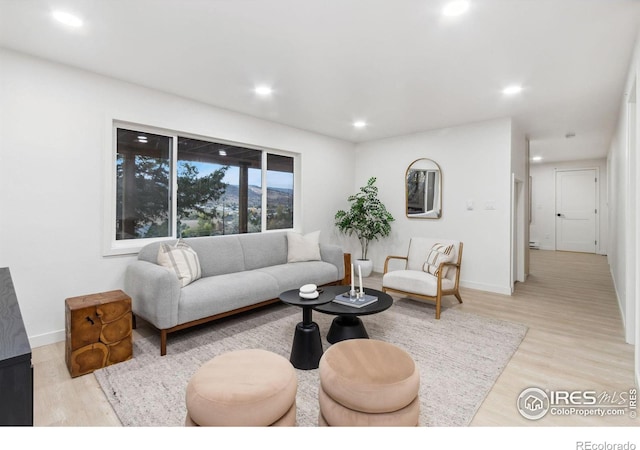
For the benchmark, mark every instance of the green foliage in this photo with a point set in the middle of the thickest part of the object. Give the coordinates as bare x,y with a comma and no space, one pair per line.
142,200
196,196
205,227
281,218
367,217
143,205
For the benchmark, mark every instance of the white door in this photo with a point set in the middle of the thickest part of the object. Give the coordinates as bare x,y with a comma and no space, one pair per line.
576,210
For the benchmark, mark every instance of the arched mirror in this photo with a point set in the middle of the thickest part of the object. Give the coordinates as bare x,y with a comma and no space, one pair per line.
424,190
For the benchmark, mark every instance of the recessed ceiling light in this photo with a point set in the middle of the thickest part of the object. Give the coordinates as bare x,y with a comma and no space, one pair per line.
455,8
536,158
67,19
359,124
512,90
263,90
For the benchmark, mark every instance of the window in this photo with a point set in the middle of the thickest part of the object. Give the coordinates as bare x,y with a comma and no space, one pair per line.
279,192
218,187
143,185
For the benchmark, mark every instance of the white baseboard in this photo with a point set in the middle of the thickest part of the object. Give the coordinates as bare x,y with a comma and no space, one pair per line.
553,249
46,339
505,290
621,309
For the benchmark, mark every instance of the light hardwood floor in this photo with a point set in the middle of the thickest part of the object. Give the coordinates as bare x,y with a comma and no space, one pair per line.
574,342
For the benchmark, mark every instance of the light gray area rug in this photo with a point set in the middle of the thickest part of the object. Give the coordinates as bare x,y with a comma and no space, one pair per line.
459,357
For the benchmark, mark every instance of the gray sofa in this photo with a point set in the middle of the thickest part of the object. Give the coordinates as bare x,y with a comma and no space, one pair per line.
239,272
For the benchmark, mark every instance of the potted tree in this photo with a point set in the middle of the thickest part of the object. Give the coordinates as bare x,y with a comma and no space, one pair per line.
367,218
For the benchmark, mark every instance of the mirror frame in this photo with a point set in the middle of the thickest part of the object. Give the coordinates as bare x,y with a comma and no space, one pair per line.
427,214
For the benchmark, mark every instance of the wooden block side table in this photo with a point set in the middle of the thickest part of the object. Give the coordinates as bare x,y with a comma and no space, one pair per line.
98,330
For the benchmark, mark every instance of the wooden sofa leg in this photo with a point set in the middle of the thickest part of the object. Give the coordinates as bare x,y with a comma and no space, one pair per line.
346,281
163,342
457,294
438,304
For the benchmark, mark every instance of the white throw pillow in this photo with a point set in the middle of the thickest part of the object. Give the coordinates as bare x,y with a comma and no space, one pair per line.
182,260
303,248
438,254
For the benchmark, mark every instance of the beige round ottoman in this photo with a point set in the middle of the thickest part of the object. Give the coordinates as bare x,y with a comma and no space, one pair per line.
366,382
243,388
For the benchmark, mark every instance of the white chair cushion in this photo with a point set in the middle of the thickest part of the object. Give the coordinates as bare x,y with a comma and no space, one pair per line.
415,281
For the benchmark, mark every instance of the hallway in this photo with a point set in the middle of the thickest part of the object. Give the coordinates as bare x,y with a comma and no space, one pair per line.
575,339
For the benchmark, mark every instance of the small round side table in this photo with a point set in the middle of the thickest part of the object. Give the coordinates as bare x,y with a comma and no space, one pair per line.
306,350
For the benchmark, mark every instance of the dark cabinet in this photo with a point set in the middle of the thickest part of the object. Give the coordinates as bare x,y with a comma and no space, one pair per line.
16,370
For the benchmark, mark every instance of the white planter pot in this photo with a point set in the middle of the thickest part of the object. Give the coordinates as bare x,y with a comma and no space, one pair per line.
366,265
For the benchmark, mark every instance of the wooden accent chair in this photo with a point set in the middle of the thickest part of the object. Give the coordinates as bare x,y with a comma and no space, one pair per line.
431,271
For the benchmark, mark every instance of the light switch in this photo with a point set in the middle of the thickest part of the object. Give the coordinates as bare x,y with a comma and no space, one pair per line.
489,205
469,205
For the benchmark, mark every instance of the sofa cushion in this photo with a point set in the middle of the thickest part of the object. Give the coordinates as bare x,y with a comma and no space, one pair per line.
294,275
303,248
263,249
438,254
218,254
214,295
182,260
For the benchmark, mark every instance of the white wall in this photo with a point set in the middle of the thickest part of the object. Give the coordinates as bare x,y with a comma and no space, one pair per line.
624,169
475,164
543,199
54,134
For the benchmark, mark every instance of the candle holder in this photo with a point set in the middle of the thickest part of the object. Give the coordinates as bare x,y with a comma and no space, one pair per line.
360,295
353,295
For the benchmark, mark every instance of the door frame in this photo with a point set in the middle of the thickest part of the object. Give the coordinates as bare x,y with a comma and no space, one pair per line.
518,224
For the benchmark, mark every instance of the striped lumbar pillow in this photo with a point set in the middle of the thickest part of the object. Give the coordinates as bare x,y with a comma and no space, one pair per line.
182,260
438,254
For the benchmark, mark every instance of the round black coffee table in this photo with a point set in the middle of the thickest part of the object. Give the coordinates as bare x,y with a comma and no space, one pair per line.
347,324
307,343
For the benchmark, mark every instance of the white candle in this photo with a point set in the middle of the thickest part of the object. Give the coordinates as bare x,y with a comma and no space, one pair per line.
353,279
360,279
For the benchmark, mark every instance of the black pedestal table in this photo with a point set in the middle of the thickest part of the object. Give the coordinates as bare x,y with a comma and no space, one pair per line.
306,350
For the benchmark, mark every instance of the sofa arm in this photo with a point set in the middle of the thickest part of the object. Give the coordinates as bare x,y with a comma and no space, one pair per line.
333,254
154,293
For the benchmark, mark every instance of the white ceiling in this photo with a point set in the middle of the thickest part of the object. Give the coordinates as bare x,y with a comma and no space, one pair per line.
398,64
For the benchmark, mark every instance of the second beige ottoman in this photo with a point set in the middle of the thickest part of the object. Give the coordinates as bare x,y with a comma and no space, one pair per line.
366,382
248,388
